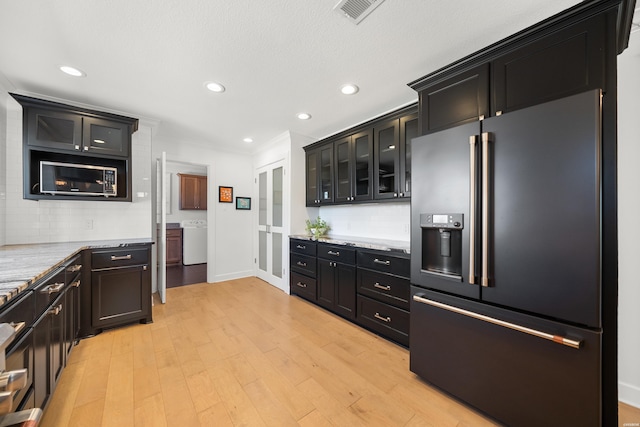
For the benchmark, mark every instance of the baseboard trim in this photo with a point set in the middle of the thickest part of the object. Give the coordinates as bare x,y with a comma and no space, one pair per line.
629,394
233,276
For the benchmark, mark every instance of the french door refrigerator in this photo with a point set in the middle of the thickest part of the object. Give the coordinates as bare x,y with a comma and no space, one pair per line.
505,263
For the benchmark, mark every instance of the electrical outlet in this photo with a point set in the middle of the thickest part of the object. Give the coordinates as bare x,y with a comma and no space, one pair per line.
406,228
88,224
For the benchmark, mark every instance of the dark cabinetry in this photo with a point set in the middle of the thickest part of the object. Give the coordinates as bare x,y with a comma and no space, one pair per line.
383,294
71,131
193,192
369,287
393,157
319,175
336,279
533,67
62,133
303,269
369,162
120,286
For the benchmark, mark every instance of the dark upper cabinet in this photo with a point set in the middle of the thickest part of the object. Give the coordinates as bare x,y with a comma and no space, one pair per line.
354,167
409,129
392,168
387,164
369,162
64,130
105,137
459,99
563,63
320,175
54,129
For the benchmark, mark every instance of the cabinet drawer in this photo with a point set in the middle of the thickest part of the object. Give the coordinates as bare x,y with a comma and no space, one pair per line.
303,264
49,290
304,286
384,288
119,257
20,310
337,253
388,321
305,247
384,262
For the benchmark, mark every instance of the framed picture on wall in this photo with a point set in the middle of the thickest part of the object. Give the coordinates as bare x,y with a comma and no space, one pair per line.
243,203
225,194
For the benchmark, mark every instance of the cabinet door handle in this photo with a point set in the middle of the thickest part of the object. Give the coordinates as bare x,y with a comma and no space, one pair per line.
120,258
52,289
377,261
77,147
383,287
86,148
384,319
55,310
302,285
74,268
301,264
395,194
76,284
301,247
334,253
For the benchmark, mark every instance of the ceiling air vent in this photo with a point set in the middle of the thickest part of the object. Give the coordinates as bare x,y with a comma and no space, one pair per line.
356,10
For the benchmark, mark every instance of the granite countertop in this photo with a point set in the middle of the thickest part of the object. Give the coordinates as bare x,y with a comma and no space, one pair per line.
360,242
22,265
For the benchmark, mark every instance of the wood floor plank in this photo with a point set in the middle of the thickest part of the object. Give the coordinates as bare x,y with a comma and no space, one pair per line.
212,359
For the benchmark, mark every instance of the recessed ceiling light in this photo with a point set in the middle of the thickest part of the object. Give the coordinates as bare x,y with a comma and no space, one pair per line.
248,140
349,89
72,71
304,116
214,87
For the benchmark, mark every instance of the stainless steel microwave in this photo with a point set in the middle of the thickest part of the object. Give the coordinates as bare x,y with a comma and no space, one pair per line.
77,179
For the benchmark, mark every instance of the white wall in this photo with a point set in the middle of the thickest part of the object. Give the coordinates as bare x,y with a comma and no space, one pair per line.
229,230
628,224
3,175
44,221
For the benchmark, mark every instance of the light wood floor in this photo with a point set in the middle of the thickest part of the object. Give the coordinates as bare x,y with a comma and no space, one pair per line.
243,353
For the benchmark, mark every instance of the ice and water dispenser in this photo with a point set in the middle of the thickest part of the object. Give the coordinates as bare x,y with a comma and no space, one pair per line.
442,243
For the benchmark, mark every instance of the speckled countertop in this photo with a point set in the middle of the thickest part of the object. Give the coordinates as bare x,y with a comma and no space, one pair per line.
360,242
22,265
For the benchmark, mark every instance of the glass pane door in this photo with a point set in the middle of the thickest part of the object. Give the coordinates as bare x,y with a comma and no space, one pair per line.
271,221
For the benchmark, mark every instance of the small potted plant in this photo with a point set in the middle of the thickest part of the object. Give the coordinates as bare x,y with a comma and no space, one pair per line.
317,227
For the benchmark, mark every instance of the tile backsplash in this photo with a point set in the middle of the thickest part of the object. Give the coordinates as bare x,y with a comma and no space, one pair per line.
387,221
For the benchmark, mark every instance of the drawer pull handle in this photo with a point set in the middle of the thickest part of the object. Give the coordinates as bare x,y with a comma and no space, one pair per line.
55,310
74,268
334,253
52,289
540,334
302,285
384,319
377,261
120,258
383,287
301,264
76,284
301,247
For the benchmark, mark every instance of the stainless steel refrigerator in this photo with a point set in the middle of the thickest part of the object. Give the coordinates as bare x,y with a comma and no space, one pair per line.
506,263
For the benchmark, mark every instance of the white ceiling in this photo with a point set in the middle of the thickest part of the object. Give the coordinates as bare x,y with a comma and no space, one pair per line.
150,58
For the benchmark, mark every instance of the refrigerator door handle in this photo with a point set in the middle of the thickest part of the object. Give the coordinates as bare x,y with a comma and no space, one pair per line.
485,208
472,209
555,338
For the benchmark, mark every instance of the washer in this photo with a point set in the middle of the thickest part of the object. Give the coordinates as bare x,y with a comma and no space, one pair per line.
194,241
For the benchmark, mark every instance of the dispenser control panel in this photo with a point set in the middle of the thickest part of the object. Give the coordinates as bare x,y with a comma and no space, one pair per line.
452,221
